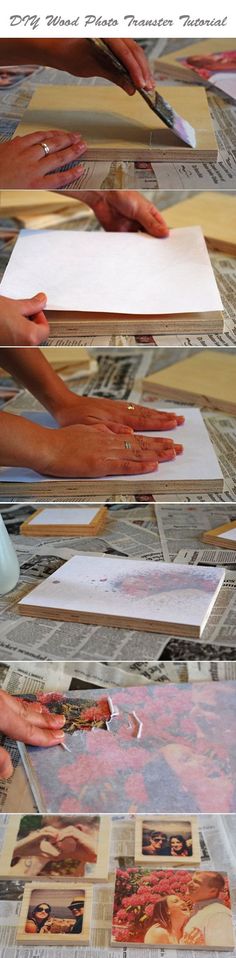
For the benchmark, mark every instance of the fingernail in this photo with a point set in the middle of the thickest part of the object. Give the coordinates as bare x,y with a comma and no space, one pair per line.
58,735
40,296
57,720
149,84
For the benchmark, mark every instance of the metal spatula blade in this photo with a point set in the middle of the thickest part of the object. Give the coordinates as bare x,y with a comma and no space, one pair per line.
181,127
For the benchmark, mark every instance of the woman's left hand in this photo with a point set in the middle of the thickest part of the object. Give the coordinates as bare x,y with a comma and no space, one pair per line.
118,416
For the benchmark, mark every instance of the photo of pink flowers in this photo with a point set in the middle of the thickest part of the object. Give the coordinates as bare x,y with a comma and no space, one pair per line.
172,907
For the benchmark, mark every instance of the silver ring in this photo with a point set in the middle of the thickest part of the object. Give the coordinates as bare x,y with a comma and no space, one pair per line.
45,148
128,445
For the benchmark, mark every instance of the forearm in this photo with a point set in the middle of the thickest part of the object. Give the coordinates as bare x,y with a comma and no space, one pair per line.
29,50
22,443
32,371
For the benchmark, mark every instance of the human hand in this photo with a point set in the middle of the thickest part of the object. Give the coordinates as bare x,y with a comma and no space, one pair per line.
23,164
117,416
124,211
90,452
27,722
34,843
81,58
194,937
22,322
76,843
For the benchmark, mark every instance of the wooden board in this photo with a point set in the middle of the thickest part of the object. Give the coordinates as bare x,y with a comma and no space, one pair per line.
124,292
187,473
83,324
21,862
41,208
214,212
171,66
38,526
207,379
220,536
60,895
151,932
127,594
118,127
169,825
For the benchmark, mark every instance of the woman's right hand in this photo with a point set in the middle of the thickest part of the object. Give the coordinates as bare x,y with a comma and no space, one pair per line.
86,452
24,166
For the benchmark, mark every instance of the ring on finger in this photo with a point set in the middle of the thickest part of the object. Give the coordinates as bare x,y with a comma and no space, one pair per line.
45,148
131,406
127,444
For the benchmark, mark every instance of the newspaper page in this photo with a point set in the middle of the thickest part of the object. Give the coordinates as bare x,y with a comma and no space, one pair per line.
217,840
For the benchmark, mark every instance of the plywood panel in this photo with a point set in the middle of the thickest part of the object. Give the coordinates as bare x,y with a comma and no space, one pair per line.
116,126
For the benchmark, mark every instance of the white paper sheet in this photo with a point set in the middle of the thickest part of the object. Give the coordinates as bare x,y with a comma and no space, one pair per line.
141,590
197,462
126,273
76,515
228,534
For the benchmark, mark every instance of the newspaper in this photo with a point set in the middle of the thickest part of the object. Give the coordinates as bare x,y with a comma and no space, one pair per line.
130,532
218,851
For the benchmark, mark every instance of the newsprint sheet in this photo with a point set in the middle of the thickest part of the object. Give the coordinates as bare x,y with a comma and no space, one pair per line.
139,531
218,852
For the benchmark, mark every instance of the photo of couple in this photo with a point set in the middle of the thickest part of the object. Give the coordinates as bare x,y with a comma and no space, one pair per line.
159,842
41,919
55,913
172,907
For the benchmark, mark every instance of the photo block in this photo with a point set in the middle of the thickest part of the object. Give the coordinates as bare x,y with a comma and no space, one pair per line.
224,537
56,847
167,840
152,596
53,914
172,909
65,521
